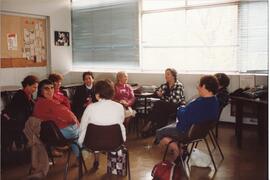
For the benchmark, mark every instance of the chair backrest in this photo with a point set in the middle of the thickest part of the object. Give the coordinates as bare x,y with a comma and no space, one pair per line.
103,138
200,130
51,134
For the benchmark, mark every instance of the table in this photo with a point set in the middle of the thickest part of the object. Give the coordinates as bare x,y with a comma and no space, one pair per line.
144,95
261,112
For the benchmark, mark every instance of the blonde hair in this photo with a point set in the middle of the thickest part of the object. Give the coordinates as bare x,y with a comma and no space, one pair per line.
119,75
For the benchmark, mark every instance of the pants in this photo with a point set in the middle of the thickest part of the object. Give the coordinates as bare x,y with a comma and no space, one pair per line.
169,131
71,132
161,113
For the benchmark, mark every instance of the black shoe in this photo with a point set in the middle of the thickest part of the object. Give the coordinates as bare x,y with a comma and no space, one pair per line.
95,164
155,142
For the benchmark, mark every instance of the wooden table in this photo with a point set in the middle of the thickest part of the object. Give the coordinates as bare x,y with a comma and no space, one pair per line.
261,112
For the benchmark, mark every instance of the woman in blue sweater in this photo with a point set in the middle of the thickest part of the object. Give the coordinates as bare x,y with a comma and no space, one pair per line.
204,108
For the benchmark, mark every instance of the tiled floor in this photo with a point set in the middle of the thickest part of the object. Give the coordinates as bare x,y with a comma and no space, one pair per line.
248,163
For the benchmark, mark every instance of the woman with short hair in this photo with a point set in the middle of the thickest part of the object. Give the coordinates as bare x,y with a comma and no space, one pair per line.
104,112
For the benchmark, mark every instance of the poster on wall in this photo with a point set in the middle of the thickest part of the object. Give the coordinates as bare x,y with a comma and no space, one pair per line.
61,38
12,41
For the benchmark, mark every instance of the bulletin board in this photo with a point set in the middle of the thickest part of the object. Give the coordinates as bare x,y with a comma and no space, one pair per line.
23,41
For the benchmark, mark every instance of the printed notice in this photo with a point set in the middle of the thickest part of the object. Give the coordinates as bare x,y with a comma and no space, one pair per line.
12,41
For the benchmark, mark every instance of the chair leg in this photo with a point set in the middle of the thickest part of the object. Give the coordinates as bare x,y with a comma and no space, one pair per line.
190,152
212,139
196,144
67,164
211,132
128,165
209,151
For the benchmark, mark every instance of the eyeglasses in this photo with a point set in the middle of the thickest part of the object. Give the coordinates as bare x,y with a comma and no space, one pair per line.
48,88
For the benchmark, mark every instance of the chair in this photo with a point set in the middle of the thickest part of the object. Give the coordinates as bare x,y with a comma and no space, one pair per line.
197,133
51,136
104,138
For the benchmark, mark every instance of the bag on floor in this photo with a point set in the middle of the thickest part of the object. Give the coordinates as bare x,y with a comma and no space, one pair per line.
166,170
117,162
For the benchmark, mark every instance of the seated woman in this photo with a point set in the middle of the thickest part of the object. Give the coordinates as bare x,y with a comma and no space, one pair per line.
204,108
18,111
222,93
49,109
58,95
104,112
171,96
124,93
84,95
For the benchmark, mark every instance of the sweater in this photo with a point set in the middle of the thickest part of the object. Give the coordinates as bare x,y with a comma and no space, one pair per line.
199,110
47,109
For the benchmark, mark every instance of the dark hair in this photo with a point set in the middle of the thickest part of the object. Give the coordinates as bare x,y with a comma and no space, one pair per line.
29,80
223,79
173,72
55,77
41,85
210,82
105,89
87,73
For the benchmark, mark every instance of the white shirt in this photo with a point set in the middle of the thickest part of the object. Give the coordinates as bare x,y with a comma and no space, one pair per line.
104,112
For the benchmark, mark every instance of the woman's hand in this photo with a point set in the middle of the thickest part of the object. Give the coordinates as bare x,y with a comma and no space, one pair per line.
124,103
160,92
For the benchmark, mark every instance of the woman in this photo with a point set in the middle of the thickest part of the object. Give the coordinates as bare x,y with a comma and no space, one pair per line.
19,110
201,109
84,95
222,93
171,95
49,109
104,112
124,93
58,95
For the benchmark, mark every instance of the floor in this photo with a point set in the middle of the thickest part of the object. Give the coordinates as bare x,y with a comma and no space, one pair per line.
247,163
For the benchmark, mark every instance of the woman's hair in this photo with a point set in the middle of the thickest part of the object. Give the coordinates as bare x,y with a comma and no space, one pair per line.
87,73
210,82
119,75
223,79
41,85
173,72
55,77
105,89
29,80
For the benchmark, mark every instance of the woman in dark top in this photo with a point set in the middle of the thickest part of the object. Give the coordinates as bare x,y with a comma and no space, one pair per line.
84,95
222,93
20,108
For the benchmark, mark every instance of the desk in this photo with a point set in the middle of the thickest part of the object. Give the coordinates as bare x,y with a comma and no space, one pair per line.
261,114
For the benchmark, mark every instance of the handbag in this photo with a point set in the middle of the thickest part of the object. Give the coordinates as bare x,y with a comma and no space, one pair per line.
166,170
117,162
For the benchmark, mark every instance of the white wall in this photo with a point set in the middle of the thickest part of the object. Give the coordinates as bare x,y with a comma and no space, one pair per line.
60,57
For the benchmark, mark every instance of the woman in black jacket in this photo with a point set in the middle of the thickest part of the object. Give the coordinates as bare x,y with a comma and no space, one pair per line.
84,95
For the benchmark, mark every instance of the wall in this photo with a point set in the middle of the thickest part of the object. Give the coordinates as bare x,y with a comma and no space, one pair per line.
59,15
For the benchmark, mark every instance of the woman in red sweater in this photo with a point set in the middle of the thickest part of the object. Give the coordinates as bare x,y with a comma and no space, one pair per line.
47,108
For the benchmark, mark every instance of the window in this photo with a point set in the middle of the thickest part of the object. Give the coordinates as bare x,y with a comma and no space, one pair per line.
105,34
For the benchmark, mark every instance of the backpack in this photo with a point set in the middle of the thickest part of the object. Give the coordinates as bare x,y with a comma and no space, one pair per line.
166,170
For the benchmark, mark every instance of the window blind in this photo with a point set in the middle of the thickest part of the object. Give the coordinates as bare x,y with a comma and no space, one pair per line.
105,34
253,36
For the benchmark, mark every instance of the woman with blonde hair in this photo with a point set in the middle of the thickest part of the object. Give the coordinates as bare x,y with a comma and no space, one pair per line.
124,93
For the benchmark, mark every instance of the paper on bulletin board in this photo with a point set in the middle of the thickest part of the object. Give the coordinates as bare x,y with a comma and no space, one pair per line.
12,41
247,81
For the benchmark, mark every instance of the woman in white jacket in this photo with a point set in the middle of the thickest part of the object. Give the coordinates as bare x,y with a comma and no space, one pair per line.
104,112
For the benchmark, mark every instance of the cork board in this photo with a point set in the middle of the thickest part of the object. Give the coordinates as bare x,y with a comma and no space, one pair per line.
23,41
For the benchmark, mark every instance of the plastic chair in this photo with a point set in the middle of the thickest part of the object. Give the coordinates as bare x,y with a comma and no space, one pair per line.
105,139
51,136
